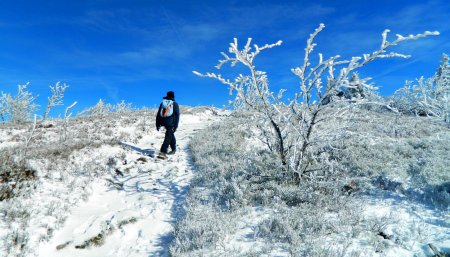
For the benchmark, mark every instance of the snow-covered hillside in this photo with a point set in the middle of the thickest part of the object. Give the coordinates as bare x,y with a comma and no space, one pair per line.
107,196
96,189
383,191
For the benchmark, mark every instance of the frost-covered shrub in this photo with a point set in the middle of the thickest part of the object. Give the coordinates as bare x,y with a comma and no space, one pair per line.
64,131
56,99
429,97
201,228
16,242
357,89
321,215
99,109
216,194
363,94
18,108
303,229
102,109
122,107
289,128
13,176
234,174
438,195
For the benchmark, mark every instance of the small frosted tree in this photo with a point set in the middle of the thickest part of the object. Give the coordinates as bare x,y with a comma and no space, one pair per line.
313,92
57,97
253,92
99,109
64,129
123,107
427,97
293,125
21,106
358,88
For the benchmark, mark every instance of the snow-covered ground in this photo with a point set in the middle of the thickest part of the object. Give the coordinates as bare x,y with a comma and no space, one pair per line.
408,226
130,214
382,217
116,199
78,209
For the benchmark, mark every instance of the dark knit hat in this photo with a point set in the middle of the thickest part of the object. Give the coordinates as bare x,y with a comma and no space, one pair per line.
170,95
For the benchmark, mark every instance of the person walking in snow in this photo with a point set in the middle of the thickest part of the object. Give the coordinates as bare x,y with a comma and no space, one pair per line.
168,117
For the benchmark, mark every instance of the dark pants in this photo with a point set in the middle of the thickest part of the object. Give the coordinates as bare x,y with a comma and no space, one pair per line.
169,140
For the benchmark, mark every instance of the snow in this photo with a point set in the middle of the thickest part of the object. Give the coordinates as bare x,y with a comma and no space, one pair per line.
245,239
137,218
412,226
107,200
131,209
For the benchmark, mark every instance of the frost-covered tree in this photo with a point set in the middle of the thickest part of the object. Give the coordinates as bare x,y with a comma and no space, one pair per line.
67,115
21,106
358,88
311,109
123,107
100,109
427,97
293,125
253,92
57,97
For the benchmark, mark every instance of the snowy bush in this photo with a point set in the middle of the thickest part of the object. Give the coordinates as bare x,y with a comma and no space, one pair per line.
13,175
291,128
362,93
102,108
64,130
18,108
123,107
429,97
99,109
324,216
56,99
234,174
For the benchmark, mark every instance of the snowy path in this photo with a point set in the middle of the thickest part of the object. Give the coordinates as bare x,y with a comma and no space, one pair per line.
131,214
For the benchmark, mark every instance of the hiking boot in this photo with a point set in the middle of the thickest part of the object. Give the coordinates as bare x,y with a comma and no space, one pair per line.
162,155
172,152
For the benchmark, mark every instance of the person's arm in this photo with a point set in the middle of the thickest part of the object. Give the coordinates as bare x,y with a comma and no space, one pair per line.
176,115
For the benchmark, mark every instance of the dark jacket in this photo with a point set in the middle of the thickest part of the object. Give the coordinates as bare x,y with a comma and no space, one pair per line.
171,121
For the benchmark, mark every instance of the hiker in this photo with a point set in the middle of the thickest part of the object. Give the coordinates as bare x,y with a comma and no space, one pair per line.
168,116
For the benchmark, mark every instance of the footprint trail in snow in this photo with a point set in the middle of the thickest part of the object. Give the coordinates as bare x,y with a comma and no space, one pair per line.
132,212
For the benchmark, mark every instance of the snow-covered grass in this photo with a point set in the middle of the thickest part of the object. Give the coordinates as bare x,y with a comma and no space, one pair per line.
81,194
382,189
237,189
388,193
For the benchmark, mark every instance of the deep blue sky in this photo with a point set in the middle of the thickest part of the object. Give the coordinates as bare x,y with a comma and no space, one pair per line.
136,50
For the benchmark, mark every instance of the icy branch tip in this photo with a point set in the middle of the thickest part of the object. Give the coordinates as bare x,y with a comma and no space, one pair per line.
72,105
197,73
